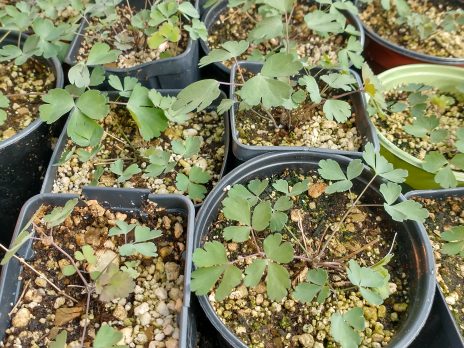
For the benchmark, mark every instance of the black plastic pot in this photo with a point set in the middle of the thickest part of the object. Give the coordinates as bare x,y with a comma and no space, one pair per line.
362,121
386,54
441,329
211,15
23,158
168,73
121,200
52,169
414,247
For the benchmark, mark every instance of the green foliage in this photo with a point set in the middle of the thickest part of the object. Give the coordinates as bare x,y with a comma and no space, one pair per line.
212,263
435,162
108,337
124,175
344,327
4,103
331,170
297,189
160,162
59,214
381,166
193,184
60,340
141,242
317,285
199,95
406,210
124,88
368,281
22,238
188,148
230,50
453,240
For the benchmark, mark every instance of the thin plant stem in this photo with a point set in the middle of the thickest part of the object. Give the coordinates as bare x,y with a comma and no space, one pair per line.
40,274
84,330
342,220
298,241
4,36
26,286
356,252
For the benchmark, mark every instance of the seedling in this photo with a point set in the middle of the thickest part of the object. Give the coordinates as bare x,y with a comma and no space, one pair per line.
253,210
108,280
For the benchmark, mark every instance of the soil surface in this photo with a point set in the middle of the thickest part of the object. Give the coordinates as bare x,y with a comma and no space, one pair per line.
122,140
446,213
148,314
235,24
32,77
135,50
450,118
442,44
260,322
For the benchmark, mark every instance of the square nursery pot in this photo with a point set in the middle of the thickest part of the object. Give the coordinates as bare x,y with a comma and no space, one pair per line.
211,15
386,54
441,330
440,77
52,169
24,156
167,73
414,246
120,200
363,124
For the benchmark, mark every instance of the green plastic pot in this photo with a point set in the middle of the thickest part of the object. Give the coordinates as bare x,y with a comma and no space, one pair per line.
438,76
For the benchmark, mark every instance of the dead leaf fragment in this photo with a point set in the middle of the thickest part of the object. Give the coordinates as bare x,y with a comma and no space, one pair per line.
64,315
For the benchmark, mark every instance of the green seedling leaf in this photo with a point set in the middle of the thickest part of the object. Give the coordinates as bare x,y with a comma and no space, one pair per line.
277,251
281,65
407,210
60,340
344,327
254,272
312,88
278,220
124,175
87,254
282,186
198,95
434,161
261,216
277,281
453,241
160,162
79,75
266,29
187,9
97,77
390,191
458,161
381,166
331,170
83,130
438,135
194,183
107,337
368,281
113,284
339,110
101,54
130,267
257,186
58,102
237,209
93,104
59,214
125,90
191,146
240,191
352,53
68,270
323,22
150,120
316,285
121,227
264,90
445,177
212,263
22,238
339,81
225,105
422,126
229,50
238,234
144,233
85,156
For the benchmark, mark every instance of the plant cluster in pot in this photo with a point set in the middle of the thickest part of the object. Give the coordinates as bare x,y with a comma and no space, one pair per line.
322,33
28,70
313,250
445,228
156,43
108,270
404,32
133,138
420,126
283,105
